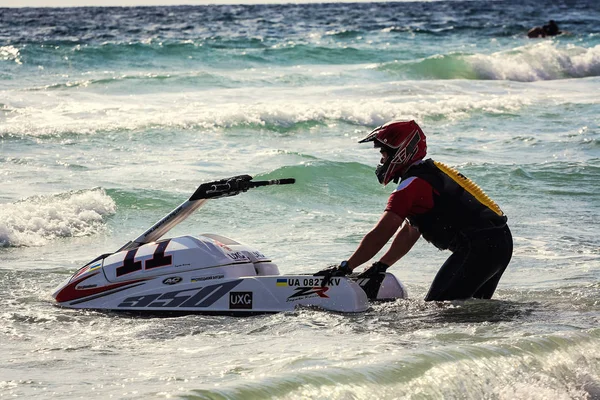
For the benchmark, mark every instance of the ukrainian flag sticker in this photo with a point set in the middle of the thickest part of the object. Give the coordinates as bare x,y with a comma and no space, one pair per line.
282,282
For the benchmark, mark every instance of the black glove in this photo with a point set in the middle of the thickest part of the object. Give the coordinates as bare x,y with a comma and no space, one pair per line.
334,270
375,269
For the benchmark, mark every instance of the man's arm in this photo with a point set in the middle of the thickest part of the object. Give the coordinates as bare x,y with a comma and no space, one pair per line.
405,239
376,239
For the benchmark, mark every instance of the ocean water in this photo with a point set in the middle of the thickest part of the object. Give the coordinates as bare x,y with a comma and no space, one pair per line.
111,117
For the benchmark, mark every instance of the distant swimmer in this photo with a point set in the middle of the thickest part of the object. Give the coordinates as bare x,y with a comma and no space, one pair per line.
550,29
437,202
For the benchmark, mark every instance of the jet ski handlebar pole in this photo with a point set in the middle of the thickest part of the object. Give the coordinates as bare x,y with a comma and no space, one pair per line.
210,190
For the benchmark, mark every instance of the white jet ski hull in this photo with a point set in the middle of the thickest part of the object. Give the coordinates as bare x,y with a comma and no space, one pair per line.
210,274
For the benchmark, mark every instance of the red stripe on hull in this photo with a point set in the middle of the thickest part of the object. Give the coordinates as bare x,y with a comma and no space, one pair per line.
70,292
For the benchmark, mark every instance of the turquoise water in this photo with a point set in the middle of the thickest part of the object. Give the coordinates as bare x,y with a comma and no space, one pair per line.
111,117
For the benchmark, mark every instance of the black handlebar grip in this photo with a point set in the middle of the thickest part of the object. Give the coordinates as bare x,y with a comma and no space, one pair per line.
286,181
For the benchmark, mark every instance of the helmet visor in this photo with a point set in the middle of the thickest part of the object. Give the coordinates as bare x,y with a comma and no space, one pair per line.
371,136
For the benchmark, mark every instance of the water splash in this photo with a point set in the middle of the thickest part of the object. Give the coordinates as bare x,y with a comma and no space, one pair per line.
35,220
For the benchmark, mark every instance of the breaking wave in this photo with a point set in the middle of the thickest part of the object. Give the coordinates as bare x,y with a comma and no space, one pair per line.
35,220
93,114
538,62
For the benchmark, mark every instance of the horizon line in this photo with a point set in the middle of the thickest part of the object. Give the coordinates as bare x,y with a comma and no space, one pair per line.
167,3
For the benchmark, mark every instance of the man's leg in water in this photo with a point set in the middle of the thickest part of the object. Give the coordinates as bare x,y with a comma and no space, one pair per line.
466,272
503,253
487,290
463,273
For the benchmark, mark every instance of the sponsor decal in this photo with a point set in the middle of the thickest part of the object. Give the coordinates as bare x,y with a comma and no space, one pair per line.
167,218
207,278
282,282
188,298
238,256
234,255
83,287
312,281
172,280
240,300
259,255
308,292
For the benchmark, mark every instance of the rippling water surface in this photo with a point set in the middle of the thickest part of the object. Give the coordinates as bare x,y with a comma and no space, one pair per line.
111,117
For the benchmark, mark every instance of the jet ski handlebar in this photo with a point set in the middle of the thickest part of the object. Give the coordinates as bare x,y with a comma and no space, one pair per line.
209,190
233,186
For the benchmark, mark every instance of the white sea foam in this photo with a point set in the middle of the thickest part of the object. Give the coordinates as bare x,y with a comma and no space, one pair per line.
37,113
10,53
35,220
45,114
540,61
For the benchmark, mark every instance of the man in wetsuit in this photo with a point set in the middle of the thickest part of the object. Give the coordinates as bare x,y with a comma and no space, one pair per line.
442,205
550,29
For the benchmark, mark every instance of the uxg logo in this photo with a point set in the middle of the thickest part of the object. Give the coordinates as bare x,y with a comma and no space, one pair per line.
240,300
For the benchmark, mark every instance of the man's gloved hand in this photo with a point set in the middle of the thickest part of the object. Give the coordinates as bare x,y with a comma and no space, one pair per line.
375,269
334,270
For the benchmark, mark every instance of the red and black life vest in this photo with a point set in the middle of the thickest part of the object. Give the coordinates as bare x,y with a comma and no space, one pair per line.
460,208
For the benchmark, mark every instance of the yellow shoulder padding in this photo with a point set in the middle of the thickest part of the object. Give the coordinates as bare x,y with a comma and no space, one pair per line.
470,187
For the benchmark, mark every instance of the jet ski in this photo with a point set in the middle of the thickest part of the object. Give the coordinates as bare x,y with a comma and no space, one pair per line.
209,273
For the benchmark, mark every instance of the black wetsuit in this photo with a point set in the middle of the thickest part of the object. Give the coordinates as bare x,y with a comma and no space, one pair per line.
479,238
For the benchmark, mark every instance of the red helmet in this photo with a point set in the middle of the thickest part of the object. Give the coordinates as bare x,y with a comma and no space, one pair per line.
404,142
